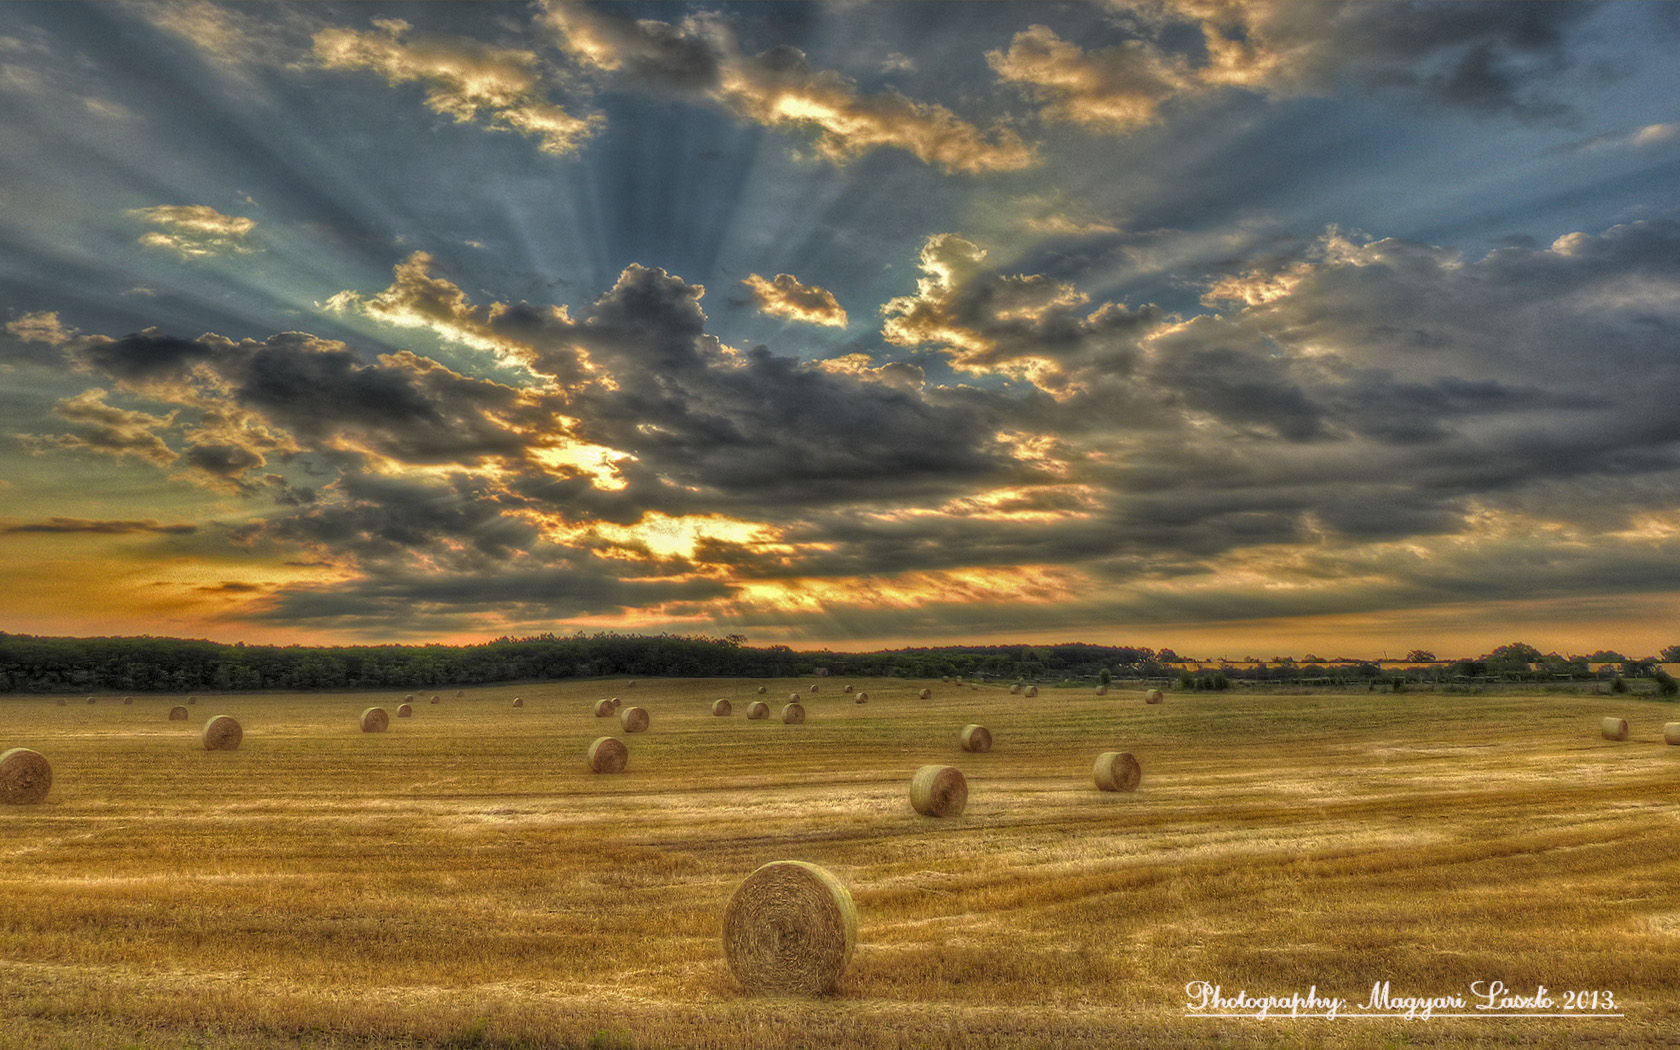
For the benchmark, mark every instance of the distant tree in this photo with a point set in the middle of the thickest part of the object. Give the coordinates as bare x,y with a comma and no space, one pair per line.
1670,655
1104,677
1514,653
1311,659
1607,656
1420,656
1167,656
1666,685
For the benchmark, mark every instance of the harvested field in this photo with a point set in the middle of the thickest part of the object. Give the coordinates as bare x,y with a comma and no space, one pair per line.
465,885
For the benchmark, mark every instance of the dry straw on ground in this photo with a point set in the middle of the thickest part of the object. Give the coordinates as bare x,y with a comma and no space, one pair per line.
61,701
222,733
1117,771
976,738
793,714
1614,728
720,706
25,776
758,709
925,694
608,755
790,928
177,713
1671,733
405,711
1154,696
604,709
633,719
375,720
939,791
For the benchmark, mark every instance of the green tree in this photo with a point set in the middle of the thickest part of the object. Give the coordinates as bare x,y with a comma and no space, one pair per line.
1420,656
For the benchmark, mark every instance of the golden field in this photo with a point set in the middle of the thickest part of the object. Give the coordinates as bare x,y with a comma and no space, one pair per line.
463,880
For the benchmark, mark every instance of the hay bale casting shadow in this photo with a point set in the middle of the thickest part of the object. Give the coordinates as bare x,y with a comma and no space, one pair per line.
789,928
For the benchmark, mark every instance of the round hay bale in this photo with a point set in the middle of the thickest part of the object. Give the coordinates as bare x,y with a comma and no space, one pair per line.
1102,690
976,738
192,699
25,776
939,791
1032,690
437,699
375,720
1117,771
793,714
1614,728
615,702
848,689
632,683
518,701
945,679
1671,733
789,928
813,688
758,709
863,698
409,699
762,689
925,694
633,719
460,693
608,755
794,698
1015,690
604,709
93,700
222,733
177,713
61,701
128,700
1154,696
405,710
721,706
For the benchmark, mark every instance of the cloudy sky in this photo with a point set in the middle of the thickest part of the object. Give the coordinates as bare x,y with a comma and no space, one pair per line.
1245,328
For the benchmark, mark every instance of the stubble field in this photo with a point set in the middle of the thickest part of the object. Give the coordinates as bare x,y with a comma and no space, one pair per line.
463,880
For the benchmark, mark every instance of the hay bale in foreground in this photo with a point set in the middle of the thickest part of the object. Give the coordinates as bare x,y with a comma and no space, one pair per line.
1614,728
405,710
1154,696
758,709
976,738
222,733
925,694
608,755
518,701
794,714
633,719
789,928
863,698
1671,733
177,713
25,777
1117,771
720,706
939,791
604,709
375,720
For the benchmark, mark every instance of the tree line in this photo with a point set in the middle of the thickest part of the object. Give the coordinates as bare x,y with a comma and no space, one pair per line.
31,664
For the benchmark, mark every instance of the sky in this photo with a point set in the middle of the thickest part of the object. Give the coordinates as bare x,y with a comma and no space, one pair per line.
1243,328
